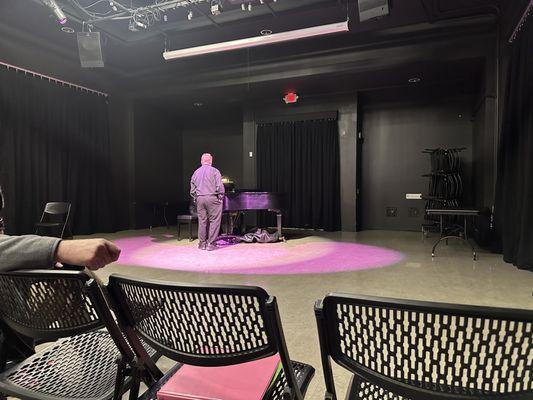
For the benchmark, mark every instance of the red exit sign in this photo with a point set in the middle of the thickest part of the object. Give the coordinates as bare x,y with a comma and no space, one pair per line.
290,98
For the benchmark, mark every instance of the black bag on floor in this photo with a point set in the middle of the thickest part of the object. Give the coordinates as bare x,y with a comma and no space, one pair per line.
260,236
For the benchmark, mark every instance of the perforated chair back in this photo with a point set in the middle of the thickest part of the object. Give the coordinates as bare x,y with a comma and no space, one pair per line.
199,325
57,208
55,304
428,350
47,304
85,362
202,325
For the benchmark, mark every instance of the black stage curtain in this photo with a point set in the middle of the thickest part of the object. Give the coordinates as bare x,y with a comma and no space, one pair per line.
54,146
514,203
301,159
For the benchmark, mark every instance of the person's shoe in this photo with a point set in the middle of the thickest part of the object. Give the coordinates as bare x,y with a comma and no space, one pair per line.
202,246
211,247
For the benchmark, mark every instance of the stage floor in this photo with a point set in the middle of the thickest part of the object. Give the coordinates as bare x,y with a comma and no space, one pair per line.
396,264
299,255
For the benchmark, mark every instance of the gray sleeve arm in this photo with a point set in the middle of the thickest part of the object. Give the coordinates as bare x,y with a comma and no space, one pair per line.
193,187
220,185
27,252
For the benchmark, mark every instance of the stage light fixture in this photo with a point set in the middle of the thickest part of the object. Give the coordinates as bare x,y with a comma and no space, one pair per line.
258,41
132,26
216,7
58,12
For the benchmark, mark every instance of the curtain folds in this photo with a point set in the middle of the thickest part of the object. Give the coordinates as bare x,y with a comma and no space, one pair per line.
54,146
514,202
301,160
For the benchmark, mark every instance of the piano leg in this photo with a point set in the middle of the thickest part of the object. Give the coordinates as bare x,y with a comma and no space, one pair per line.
231,219
227,216
278,219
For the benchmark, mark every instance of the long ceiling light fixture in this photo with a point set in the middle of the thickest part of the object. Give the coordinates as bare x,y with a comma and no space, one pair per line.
58,12
258,41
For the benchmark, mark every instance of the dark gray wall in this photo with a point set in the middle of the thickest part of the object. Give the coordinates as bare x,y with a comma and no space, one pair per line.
20,48
158,161
138,158
220,137
395,133
346,106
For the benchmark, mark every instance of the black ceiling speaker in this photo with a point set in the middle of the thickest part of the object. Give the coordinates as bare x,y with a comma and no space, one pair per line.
369,9
90,49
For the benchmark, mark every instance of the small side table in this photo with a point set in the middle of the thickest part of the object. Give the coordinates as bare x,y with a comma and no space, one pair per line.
186,219
461,233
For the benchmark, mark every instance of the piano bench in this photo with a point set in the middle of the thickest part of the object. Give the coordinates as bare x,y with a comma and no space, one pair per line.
186,219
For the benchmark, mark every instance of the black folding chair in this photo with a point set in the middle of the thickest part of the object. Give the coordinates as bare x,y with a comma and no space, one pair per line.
84,361
399,349
55,217
207,326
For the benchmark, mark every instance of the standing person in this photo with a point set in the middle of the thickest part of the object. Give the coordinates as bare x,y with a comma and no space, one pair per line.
207,192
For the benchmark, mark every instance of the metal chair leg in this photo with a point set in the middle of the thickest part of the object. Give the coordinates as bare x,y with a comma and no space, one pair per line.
120,379
165,215
135,386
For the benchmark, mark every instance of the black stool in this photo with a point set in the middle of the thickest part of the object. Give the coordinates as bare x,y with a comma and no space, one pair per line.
186,219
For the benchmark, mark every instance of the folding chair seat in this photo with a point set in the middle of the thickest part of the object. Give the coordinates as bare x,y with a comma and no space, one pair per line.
208,326
83,361
400,349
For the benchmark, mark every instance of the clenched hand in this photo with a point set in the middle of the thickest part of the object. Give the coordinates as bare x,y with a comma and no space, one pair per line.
91,253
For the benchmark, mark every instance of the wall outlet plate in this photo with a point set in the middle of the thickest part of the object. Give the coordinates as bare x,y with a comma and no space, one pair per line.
413,212
391,211
413,196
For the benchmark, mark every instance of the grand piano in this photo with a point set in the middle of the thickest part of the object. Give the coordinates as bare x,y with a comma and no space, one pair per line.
236,203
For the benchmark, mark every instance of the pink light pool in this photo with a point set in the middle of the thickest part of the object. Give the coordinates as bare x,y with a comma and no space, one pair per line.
295,257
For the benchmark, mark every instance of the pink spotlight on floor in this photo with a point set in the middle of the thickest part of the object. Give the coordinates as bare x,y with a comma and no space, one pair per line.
295,257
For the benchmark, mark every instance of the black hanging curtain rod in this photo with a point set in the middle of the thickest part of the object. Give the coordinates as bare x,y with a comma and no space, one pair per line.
297,117
521,23
52,79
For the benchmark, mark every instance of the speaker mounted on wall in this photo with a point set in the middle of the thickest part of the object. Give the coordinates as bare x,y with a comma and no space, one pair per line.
370,9
90,49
